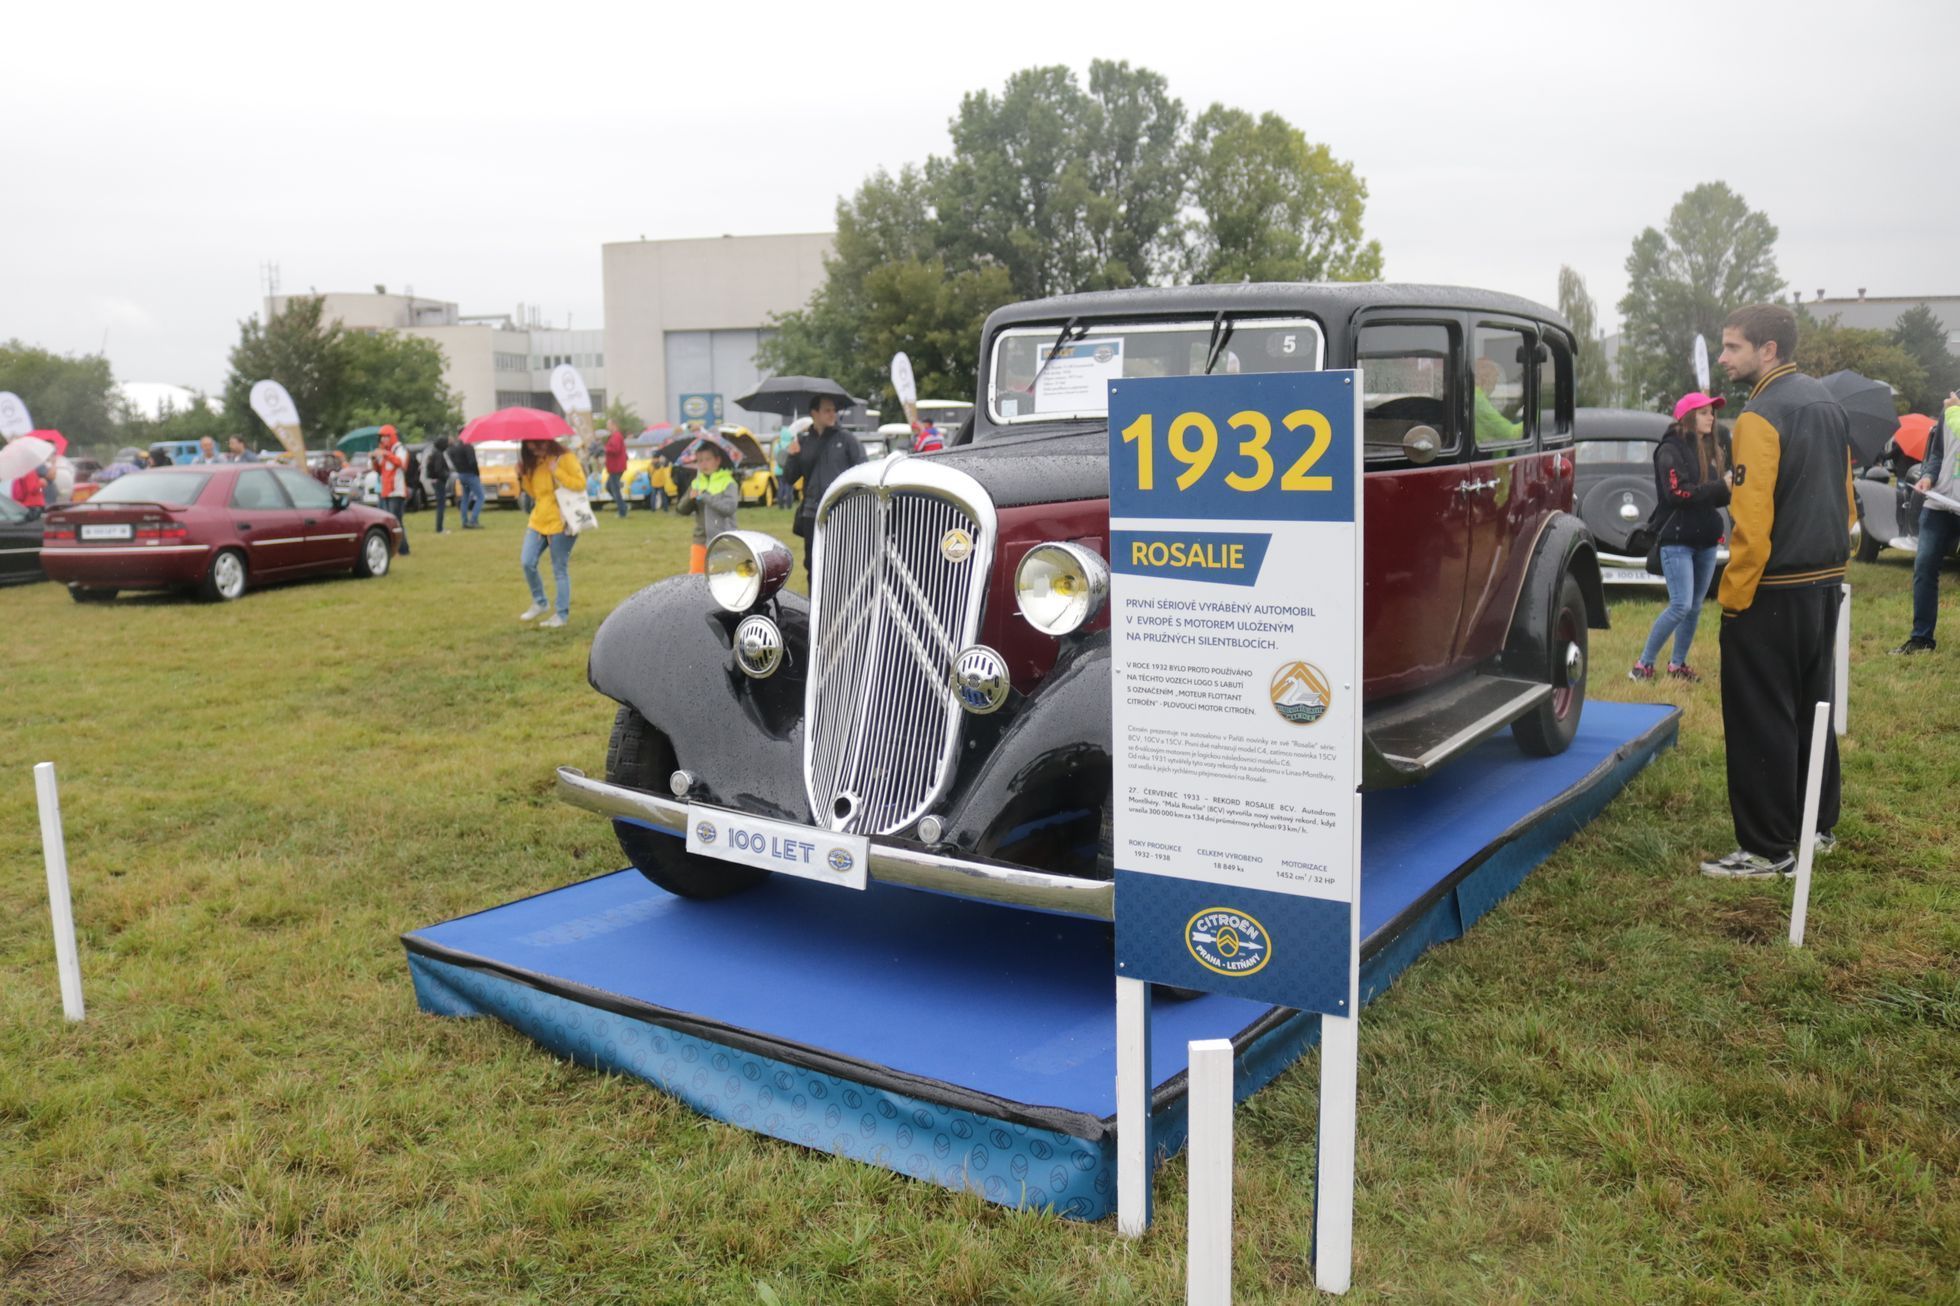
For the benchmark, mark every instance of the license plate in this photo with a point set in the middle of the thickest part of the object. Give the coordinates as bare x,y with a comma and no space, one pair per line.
1626,576
105,532
780,846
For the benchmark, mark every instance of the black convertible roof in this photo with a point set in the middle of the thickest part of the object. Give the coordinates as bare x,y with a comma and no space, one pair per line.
1332,300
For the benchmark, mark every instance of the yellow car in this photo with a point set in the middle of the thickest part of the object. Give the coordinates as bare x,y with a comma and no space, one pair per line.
496,461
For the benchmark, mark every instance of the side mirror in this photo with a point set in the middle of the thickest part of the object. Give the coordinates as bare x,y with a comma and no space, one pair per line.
1422,444
339,502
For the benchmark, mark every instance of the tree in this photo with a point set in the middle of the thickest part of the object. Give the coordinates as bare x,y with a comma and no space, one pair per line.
1592,381
1827,346
74,395
392,378
1271,206
1716,255
624,417
193,422
1923,336
301,352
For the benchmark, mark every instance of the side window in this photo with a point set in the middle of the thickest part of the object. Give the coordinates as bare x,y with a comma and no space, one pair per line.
1407,381
304,491
1554,395
256,490
1498,378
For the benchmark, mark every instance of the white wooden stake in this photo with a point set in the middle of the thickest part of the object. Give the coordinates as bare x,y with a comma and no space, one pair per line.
54,850
1132,1107
1208,1251
1843,686
1807,845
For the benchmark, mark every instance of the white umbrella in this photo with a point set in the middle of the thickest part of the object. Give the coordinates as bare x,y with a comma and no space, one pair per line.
22,456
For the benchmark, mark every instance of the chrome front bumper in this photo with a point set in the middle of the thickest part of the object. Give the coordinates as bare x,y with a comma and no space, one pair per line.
893,863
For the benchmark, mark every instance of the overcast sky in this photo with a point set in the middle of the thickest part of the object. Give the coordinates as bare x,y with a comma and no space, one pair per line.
153,157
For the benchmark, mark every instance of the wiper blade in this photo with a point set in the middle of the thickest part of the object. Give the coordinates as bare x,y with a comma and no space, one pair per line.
1219,339
1071,327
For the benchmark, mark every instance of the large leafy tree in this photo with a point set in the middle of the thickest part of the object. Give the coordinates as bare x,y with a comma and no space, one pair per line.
73,395
1271,205
1592,380
339,379
1825,346
1715,255
1051,188
1923,335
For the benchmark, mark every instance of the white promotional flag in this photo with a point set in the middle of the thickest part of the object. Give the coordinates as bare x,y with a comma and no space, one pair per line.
276,409
14,417
1701,363
905,387
569,388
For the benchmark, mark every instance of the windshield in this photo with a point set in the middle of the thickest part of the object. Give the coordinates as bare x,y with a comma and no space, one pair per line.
1033,380
1613,451
11,511
173,489
496,457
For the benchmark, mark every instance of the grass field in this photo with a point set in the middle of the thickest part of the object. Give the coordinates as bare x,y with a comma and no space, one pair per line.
1621,1086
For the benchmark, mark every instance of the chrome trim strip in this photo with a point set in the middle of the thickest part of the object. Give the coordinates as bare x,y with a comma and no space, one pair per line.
915,868
1489,723
318,538
84,551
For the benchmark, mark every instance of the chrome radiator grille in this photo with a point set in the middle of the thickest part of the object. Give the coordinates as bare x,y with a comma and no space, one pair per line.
903,551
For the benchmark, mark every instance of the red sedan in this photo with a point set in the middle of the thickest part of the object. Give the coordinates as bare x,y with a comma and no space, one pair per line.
217,528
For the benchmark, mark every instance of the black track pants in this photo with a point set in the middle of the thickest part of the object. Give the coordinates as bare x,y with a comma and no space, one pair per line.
1777,665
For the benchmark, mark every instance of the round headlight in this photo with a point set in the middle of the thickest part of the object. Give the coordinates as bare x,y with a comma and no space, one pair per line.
1060,587
746,567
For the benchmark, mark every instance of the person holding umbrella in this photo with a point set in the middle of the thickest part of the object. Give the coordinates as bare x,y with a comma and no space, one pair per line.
818,458
543,467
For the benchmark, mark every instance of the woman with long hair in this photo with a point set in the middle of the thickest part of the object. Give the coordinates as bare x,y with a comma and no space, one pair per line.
1691,476
542,467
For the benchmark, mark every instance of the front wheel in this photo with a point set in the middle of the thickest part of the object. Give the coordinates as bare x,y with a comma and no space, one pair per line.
639,757
224,578
377,551
1548,729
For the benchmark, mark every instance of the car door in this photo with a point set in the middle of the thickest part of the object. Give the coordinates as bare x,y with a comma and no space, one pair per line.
331,537
1415,532
20,543
1498,490
265,523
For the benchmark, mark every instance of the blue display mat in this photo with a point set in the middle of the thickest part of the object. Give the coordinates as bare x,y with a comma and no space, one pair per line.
965,1043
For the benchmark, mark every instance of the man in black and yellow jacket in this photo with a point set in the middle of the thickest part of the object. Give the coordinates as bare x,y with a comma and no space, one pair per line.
1791,512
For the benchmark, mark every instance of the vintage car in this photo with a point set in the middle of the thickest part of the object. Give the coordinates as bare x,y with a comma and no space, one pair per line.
20,544
945,690
1615,489
1888,505
496,462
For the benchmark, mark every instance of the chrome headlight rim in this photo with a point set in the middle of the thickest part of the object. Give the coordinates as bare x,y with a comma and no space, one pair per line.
1084,568
745,568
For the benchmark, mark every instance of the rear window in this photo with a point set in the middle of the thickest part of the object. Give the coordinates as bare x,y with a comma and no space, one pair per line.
173,489
496,457
1032,379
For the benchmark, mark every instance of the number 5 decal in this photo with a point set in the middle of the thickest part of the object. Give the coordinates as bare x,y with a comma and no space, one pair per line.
1296,477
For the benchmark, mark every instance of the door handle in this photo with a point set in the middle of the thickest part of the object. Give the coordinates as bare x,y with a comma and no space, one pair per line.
1471,487
244,526
312,521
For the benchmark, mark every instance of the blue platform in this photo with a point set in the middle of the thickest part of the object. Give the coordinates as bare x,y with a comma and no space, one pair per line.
964,1043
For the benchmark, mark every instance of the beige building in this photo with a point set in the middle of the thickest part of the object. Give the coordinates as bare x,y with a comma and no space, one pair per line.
1881,312
684,317
491,361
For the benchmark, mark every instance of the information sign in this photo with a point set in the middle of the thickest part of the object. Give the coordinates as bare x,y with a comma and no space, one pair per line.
1235,617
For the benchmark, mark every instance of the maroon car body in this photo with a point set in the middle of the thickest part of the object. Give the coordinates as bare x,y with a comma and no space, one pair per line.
218,528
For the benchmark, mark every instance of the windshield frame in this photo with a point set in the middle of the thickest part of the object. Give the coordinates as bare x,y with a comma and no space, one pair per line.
1201,325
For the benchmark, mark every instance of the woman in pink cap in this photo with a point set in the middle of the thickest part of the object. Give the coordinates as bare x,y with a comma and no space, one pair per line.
1691,477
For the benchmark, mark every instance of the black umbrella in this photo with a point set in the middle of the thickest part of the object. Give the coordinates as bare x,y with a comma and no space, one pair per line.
790,396
1868,404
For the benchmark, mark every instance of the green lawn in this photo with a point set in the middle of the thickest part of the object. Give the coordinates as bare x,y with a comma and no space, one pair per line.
1621,1086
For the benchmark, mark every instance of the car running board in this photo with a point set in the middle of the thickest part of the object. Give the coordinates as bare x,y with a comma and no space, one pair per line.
1413,736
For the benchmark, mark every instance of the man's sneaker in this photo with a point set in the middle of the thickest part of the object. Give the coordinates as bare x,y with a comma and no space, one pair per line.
1914,645
1826,843
552,622
1682,671
1640,671
1741,865
532,613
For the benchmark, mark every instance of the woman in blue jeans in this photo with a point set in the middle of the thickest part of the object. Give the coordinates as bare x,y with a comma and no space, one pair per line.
543,467
1691,477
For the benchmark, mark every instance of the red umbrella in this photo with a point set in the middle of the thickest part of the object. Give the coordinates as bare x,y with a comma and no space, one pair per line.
55,438
516,424
1914,428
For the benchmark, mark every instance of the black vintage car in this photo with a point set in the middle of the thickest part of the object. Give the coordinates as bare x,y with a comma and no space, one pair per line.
1615,495
20,544
945,692
1888,505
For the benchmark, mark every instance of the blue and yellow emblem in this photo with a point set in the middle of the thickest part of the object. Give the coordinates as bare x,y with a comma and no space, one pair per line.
1228,941
840,860
1301,693
704,831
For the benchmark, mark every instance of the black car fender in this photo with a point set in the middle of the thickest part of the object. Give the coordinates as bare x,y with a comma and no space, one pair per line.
1053,757
666,652
1564,545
